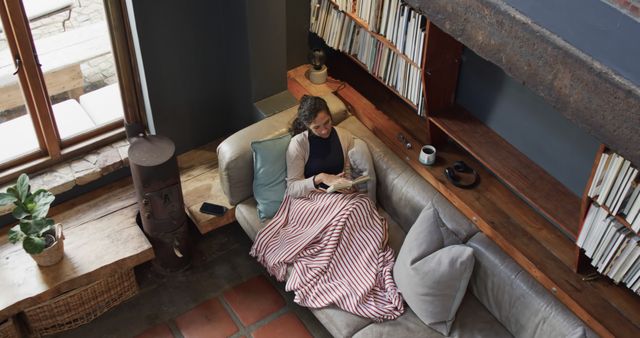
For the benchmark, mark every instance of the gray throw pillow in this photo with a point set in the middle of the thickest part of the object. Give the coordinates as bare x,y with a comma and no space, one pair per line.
431,276
362,164
269,172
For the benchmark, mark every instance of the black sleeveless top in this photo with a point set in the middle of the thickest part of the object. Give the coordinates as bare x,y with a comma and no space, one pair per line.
325,155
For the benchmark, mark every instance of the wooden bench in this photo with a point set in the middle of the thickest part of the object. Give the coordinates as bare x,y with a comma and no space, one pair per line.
61,56
40,9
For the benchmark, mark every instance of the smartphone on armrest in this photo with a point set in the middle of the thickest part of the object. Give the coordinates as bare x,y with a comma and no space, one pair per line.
212,209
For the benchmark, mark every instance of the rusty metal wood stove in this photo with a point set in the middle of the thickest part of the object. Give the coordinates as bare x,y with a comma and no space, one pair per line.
156,177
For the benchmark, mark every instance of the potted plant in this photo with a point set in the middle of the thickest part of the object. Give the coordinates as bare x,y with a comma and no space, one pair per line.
39,235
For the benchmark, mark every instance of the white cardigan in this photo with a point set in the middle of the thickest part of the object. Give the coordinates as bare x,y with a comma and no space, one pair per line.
297,156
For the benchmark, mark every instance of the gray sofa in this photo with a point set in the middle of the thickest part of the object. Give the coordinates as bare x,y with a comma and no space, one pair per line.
502,300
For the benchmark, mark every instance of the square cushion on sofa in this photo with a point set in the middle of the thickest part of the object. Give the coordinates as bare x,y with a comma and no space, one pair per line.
432,279
269,172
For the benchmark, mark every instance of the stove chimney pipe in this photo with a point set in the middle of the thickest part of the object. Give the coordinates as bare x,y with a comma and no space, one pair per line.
156,177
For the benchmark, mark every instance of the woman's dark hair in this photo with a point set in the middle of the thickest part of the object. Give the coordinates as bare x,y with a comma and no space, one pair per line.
309,108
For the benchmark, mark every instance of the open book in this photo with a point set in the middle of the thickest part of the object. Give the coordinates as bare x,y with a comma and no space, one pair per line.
348,184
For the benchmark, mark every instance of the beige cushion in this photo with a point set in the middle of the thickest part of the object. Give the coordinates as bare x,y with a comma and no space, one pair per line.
17,137
103,105
71,119
361,165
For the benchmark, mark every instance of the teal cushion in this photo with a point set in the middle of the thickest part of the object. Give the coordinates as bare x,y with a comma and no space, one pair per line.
269,173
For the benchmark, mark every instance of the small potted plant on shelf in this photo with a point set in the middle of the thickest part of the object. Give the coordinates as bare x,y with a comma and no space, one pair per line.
39,235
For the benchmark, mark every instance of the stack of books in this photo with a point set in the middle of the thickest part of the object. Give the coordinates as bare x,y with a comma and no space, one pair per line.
609,234
390,28
614,249
614,186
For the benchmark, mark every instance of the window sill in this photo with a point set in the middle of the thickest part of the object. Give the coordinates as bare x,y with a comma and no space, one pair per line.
78,171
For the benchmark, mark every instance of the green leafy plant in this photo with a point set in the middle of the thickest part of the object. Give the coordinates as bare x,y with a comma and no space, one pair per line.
34,229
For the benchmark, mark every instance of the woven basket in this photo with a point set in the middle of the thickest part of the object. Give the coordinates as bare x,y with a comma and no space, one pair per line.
8,329
81,305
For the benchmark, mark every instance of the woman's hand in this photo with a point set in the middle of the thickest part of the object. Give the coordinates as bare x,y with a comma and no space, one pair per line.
330,180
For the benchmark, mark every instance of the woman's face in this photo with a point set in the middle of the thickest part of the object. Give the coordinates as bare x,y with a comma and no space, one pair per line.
321,125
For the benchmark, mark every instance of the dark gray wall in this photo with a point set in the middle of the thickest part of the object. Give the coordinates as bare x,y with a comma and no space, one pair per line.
592,26
206,62
297,32
195,57
267,26
522,117
526,121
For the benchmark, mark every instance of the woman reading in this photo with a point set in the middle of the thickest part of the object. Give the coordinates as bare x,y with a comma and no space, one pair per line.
335,244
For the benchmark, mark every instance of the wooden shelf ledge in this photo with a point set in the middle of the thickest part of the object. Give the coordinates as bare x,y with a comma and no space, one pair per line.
526,178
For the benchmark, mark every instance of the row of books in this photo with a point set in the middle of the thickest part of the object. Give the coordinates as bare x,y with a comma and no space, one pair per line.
394,20
342,33
614,186
614,249
406,29
386,65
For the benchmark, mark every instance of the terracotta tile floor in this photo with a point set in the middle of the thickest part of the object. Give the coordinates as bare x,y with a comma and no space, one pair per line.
224,293
209,319
252,308
287,325
254,300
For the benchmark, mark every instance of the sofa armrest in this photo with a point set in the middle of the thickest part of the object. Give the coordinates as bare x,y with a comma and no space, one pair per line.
235,160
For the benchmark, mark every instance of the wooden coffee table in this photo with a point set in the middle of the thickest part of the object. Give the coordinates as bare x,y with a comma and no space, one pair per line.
101,239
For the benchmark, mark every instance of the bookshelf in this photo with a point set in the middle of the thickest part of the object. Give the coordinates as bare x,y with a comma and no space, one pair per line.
527,212
609,243
395,52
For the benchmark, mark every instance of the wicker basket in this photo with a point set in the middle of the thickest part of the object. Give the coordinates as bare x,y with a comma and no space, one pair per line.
8,329
81,305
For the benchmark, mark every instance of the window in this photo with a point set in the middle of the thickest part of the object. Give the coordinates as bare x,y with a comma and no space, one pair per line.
60,81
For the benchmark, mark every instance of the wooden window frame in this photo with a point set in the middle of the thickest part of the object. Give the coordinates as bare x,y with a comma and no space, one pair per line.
52,149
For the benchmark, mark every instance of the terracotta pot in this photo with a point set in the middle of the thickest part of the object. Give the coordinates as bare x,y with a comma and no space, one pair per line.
54,253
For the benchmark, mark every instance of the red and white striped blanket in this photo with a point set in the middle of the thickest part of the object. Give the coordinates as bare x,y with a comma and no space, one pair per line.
337,246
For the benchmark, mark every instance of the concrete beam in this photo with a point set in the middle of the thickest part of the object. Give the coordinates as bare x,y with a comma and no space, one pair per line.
585,91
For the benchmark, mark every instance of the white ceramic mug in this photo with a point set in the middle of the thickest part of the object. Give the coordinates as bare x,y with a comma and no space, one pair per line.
427,155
